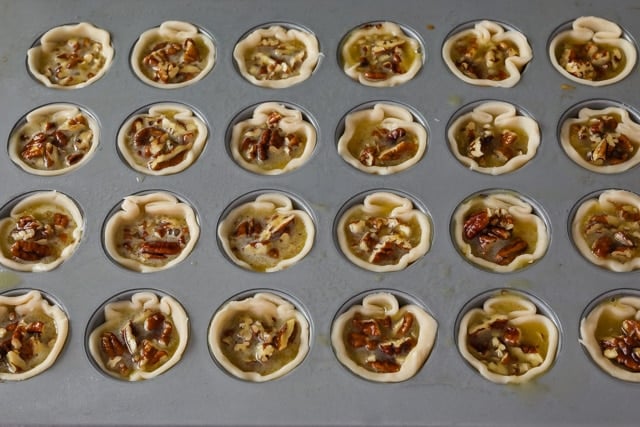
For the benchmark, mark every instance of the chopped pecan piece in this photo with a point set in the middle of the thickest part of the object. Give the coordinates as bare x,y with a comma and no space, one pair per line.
160,248
29,250
476,223
624,349
384,366
510,252
112,345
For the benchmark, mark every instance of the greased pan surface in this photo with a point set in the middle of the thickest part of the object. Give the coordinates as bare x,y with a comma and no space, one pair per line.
446,391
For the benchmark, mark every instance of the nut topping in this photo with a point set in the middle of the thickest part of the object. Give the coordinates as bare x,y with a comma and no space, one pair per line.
74,61
600,142
490,145
173,62
617,235
34,240
624,349
591,61
492,231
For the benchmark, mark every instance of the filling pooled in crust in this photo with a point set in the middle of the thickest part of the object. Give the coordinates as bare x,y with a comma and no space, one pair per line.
141,337
506,340
381,341
165,140
384,233
71,56
487,55
32,334
277,57
383,140
493,138
172,55
259,338
151,232
381,54
55,139
499,232
275,140
267,234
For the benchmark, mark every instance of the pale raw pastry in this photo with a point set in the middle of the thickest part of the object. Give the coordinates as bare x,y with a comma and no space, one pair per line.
499,232
507,341
71,56
384,233
487,55
151,232
141,337
493,138
277,57
173,55
42,231
54,140
381,55
266,234
381,341
593,52
382,140
604,141
259,338
165,140
611,335
606,230
275,140
32,335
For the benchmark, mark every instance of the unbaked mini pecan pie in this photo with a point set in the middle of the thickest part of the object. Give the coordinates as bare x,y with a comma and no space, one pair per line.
141,337
259,338
33,332
41,232
381,340
151,232
71,56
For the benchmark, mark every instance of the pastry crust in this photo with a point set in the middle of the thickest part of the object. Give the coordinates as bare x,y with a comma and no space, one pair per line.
267,234
41,232
173,55
377,43
493,138
609,149
55,139
280,340
131,322
166,140
36,321
524,343
81,48
503,53
382,140
151,232
610,50
277,57
598,327
384,233
289,140
603,229
409,325
502,225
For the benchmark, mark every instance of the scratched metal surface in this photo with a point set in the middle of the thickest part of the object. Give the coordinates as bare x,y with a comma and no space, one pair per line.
446,390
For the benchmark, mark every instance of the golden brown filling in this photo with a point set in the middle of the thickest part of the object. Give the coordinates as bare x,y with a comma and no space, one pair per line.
274,59
25,340
56,145
502,347
494,235
174,61
613,234
489,145
484,61
142,342
73,61
257,344
154,240
263,242
160,141
40,236
622,346
381,56
590,61
269,146
377,146
381,344
381,240
598,142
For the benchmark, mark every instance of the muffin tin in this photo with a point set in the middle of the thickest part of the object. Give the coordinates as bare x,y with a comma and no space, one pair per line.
196,390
